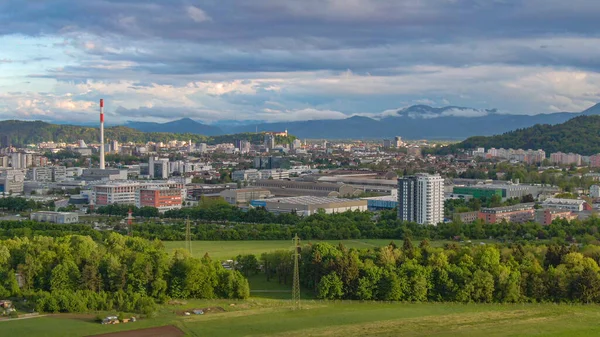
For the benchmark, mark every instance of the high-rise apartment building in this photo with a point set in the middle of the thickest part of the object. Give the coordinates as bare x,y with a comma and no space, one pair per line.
421,199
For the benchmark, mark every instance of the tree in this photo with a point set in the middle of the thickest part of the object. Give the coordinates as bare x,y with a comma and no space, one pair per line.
331,287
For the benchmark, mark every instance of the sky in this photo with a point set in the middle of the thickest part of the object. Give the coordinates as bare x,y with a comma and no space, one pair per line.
282,60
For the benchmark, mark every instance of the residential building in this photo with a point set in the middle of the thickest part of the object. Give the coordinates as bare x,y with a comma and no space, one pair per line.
244,195
398,142
269,141
595,191
466,217
55,217
595,160
547,215
519,213
163,198
308,205
565,158
421,199
574,205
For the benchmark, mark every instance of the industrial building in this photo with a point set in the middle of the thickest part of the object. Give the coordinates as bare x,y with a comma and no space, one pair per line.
244,195
292,188
519,213
383,186
93,174
381,203
490,190
308,205
55,217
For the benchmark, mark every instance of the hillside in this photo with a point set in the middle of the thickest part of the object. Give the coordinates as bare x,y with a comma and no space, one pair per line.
184,125
23,133
579,135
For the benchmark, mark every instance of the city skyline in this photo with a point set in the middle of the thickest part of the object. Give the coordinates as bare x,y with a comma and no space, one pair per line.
267,60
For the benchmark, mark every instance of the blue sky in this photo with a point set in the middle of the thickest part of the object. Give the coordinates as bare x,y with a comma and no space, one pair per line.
284,60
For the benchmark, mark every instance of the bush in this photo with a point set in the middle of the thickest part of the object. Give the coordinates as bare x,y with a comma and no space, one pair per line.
13,314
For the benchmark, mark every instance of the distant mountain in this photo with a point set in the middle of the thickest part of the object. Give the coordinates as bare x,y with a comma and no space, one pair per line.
578,135
417,122
184,125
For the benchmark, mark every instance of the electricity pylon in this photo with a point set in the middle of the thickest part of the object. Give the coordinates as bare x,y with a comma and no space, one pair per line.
188,236
296,283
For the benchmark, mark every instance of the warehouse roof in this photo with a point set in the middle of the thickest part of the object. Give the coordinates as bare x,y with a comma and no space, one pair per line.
308,200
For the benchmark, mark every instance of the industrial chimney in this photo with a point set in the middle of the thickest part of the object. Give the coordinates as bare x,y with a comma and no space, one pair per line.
102,134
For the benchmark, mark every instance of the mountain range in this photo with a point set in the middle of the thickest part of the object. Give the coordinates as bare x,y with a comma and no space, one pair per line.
415,122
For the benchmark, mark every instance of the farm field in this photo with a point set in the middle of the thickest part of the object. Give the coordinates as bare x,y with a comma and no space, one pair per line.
258,317
223,250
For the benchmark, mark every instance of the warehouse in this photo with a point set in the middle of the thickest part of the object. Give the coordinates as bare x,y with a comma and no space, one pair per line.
55,217
308,205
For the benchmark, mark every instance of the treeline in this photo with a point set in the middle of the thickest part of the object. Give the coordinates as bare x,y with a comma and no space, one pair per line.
480,274
75,273
361,225
29,229
18,204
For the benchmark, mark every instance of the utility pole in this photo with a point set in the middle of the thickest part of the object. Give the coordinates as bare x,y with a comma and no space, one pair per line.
296,283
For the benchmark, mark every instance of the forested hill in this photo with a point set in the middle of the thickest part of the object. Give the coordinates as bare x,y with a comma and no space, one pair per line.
24,132
578,135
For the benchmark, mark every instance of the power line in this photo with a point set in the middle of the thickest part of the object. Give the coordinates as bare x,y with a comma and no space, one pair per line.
188,236
296,283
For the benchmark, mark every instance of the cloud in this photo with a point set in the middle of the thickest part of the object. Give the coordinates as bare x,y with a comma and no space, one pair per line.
291,60
197,14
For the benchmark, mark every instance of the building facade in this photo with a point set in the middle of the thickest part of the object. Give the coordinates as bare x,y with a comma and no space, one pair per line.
421,199
164,199
518,213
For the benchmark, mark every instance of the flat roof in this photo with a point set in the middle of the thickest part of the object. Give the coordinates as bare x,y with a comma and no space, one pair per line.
309,200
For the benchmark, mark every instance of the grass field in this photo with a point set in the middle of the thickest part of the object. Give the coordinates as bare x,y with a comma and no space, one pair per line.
259,317
228,249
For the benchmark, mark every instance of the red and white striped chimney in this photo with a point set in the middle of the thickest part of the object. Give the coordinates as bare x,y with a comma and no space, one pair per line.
102,167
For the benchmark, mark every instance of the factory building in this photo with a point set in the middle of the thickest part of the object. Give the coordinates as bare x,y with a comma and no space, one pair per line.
55,217
308,205
244,195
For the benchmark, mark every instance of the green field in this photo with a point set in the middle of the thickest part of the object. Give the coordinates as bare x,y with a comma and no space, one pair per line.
258,317
222,250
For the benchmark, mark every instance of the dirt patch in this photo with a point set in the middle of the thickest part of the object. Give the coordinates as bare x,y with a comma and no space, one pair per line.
209,310
162,331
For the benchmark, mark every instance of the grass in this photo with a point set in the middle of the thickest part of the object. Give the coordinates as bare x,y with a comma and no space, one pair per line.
223,250
260,317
